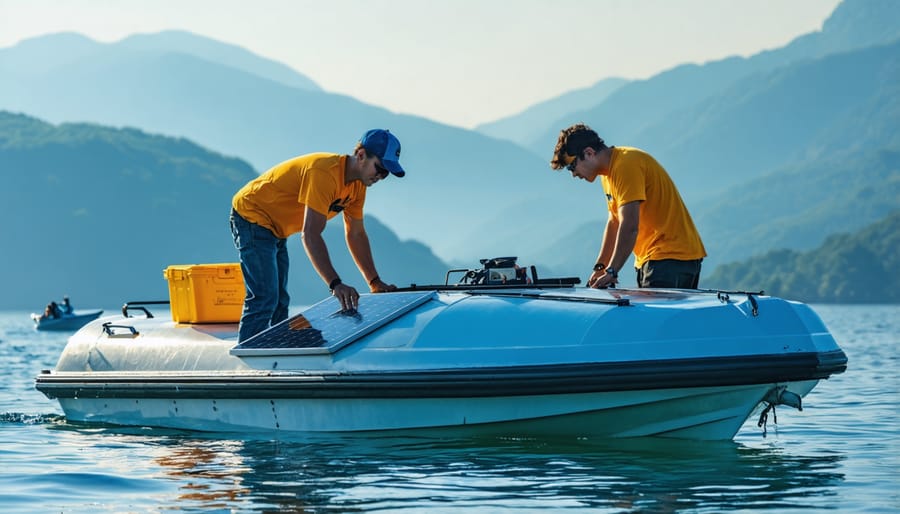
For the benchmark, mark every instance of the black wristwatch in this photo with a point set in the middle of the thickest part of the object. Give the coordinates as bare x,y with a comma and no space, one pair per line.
334,283
611,271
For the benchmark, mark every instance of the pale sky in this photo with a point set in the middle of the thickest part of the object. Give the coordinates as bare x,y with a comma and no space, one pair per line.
460,62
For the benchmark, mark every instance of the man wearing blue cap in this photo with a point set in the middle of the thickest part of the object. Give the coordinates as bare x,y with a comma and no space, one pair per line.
300,195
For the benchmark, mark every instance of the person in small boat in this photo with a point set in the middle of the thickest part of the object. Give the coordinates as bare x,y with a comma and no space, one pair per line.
52,311
647,216
66,306
301,195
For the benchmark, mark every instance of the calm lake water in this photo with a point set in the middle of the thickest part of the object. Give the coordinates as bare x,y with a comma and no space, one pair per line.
841,454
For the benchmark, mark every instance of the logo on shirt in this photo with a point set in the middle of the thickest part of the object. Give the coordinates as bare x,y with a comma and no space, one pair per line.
608,198
339,204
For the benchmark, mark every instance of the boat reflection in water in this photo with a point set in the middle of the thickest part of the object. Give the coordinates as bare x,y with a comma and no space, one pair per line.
363,473
500,354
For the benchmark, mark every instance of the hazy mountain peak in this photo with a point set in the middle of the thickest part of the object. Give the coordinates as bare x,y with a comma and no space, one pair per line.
53,42
864,22
220,52
523,127
40,54
629,111
853,24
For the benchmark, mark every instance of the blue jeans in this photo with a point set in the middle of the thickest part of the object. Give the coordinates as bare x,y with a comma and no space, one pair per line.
264,263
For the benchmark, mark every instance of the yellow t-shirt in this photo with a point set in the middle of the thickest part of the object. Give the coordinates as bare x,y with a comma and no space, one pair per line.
278,198
666,230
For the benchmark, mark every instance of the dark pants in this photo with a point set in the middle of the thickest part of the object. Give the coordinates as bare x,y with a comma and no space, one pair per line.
264,263
670,273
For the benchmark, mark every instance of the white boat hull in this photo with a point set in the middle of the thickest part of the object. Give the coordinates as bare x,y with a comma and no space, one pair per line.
712,413
581,363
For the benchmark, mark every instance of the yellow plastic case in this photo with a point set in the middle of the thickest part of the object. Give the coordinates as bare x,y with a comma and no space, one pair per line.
206,293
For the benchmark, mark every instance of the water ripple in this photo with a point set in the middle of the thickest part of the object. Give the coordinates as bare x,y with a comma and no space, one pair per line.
839,454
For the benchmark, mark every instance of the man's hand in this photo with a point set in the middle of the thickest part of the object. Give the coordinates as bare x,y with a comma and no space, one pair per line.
594,276
379,286
601,280
347,295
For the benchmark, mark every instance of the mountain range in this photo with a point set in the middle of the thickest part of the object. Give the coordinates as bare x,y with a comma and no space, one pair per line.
824,162
98,213
626,113
779,149
529,125
230,109
727,131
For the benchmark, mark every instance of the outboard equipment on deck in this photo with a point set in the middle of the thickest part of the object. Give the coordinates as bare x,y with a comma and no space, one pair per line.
498,271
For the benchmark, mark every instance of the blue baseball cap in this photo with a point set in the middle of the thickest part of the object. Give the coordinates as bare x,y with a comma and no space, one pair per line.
384,145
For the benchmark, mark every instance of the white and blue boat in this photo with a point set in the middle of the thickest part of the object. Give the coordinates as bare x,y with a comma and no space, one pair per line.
66,321
499,354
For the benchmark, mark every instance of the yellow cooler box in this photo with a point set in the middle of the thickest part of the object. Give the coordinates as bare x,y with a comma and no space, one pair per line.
206,293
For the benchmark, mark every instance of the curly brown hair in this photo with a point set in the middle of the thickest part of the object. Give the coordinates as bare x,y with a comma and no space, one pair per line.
572,142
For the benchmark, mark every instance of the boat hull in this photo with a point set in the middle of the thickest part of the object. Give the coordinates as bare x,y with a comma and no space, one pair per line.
703,413
513,363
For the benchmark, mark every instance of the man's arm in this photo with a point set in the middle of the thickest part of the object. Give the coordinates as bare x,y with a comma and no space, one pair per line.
625,236
314,244
606,248
361,250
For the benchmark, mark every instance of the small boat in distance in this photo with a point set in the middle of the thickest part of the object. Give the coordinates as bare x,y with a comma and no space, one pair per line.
498,354
63,317
72,321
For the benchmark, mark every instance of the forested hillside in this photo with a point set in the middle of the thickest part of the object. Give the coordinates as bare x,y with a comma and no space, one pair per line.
97,213
856,267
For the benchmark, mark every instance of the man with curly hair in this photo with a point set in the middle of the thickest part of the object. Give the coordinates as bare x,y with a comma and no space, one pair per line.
646,213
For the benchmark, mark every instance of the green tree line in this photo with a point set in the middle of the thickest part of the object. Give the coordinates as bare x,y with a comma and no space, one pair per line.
856,267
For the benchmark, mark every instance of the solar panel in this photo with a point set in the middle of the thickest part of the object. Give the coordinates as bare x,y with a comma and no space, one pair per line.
324,328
